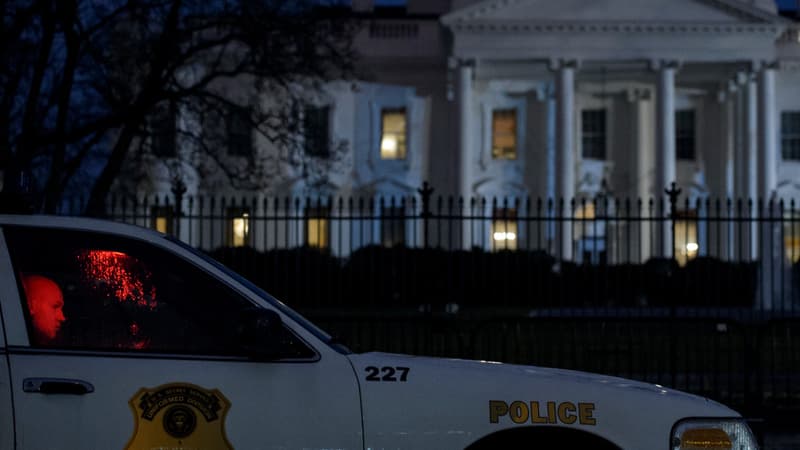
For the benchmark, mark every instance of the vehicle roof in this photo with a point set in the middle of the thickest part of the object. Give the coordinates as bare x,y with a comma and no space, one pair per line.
81,223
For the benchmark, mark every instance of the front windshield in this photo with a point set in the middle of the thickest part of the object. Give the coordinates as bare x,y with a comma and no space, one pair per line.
294,315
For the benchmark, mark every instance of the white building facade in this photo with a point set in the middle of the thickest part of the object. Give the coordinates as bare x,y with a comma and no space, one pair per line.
563,100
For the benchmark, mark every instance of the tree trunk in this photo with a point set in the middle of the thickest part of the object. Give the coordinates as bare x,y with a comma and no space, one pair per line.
96,205
56,180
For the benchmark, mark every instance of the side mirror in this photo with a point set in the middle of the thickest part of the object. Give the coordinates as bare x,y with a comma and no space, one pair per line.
260,334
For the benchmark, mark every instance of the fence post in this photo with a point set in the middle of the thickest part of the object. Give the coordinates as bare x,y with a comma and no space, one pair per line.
425,191
673,192
178,189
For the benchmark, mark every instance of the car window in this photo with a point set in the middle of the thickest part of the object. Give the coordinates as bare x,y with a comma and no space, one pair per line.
84,290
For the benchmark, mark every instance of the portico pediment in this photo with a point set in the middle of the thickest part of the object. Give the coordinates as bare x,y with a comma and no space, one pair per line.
718,12
645,30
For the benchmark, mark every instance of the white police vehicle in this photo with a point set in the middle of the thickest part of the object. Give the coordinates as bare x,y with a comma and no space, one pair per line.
117,337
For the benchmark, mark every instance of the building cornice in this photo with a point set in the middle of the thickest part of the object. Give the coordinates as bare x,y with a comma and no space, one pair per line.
493,26
743,10
751,15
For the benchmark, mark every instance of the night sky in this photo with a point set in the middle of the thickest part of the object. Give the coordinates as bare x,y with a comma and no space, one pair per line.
787,4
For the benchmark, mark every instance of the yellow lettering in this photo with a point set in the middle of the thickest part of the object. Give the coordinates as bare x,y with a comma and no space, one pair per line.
585,411
535,417
497,408
566,413
519,412
551,412
556,412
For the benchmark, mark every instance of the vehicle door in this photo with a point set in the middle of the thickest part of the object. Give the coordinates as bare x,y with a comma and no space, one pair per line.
6,406
123,343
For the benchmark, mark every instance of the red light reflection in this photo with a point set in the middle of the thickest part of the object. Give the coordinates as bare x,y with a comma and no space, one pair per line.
119,275
124,278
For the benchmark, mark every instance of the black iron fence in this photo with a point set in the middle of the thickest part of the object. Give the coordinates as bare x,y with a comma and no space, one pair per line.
699,294
433,252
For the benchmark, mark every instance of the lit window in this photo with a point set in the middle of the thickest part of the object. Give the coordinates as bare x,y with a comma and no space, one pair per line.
238,227
393,226
161,219
318,227
504,134
790,135
593,133
393,133
504,229
585,221
590,234
684,134
791,236
686,245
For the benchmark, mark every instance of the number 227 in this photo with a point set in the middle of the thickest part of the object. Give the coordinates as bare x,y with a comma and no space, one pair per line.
386,373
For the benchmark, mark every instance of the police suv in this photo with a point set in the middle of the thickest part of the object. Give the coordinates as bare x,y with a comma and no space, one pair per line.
118,337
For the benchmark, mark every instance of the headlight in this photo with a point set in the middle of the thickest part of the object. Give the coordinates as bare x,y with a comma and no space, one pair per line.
712,434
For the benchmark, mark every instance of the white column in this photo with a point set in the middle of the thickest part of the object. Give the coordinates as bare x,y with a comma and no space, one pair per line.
751,138
465,148
565,150
665,143
770,244
767,134
465,128
740,147
745,164
639,121
749,188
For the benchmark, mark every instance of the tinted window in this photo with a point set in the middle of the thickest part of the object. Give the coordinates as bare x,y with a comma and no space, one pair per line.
84,290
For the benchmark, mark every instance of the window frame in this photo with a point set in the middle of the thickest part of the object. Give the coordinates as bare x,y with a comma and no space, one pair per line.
791,235
686,226
163,128
317,129
321,215
239,143
504,153
686,136
162,212
151,253
232,214
595,137
504,220
393,219
401,151
790,137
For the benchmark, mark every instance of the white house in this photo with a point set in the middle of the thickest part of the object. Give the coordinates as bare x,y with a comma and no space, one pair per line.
566,99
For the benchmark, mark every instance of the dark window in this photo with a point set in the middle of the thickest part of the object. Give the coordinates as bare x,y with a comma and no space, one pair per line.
790,135
239,132
316,126
318,227
163,130
504,134
393,226
684,134
593,133
84,290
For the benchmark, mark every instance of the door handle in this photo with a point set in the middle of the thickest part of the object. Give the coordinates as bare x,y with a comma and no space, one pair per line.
57,386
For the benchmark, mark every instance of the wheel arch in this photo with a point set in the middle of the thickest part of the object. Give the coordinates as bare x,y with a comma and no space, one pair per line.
545,436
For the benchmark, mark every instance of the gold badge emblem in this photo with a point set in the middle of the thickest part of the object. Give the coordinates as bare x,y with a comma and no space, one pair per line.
180,416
